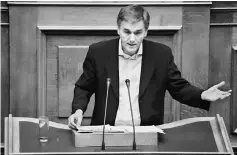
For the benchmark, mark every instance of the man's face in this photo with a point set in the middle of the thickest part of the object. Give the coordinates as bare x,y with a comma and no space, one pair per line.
132,35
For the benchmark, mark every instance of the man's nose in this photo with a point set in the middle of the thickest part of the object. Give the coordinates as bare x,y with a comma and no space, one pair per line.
132,38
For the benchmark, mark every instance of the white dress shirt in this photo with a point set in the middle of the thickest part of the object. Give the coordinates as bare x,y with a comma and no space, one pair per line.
129,68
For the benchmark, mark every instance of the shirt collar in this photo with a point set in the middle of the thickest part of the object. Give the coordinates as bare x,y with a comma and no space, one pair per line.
121,53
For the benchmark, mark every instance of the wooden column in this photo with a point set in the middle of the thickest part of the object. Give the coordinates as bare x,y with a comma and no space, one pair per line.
4,78
195,52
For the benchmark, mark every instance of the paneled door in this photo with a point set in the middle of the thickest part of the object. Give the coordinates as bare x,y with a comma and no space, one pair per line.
65,56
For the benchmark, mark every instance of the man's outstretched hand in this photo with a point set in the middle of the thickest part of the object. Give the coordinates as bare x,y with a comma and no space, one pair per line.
213,93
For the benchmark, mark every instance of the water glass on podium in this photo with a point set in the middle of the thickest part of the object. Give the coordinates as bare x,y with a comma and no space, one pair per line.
43,128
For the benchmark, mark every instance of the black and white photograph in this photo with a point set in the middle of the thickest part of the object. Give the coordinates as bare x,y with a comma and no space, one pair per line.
118,77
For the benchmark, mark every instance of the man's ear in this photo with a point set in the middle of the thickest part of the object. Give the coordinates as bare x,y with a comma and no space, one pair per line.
118,31
146,33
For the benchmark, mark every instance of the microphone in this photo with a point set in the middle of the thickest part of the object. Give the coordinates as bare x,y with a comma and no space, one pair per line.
106,102
127,81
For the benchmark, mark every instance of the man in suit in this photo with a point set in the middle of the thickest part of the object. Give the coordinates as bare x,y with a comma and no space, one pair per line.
150,68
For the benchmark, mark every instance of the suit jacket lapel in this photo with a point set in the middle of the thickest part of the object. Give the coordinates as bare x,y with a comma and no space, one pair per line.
146,68
112,66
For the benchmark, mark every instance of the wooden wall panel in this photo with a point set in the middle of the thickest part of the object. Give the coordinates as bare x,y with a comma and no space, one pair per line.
234,20
4,75
177,51
66,54
70,63
221,17
195,55
23,79
223,4
64,59
4,15
5,100
223,39
169,41
219,68
4,4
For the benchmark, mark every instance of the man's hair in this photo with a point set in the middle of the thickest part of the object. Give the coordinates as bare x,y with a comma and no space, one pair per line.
133,13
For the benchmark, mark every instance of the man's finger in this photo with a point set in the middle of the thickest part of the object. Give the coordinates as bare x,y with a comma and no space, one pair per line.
72,127
71,123
225,96
224,92
222,97
78,123
220,84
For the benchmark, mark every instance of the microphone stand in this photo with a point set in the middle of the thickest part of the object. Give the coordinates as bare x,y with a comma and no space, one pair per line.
106,102
134,138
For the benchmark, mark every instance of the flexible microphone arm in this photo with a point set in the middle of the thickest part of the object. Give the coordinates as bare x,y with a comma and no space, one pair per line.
127,81
106,102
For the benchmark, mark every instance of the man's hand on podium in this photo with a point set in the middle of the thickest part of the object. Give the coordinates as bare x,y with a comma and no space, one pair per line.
213,93
75,119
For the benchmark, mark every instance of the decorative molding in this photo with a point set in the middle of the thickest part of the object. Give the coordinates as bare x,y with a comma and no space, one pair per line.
109,30
77,28
4,24
103,28
41,73
233,97
4,8
223,24
223,9
151,3
73,46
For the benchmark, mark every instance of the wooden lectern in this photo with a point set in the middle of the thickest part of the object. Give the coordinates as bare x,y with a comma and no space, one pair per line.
200,135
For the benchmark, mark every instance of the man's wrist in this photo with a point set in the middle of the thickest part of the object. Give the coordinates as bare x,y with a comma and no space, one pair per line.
202,95
79,112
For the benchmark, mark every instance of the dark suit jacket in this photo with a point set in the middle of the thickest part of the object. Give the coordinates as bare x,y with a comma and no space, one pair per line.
158,74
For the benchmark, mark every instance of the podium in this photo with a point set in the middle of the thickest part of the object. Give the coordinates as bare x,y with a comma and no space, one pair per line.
200,135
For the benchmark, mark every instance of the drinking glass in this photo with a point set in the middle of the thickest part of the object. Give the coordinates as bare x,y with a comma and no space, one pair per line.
43,128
